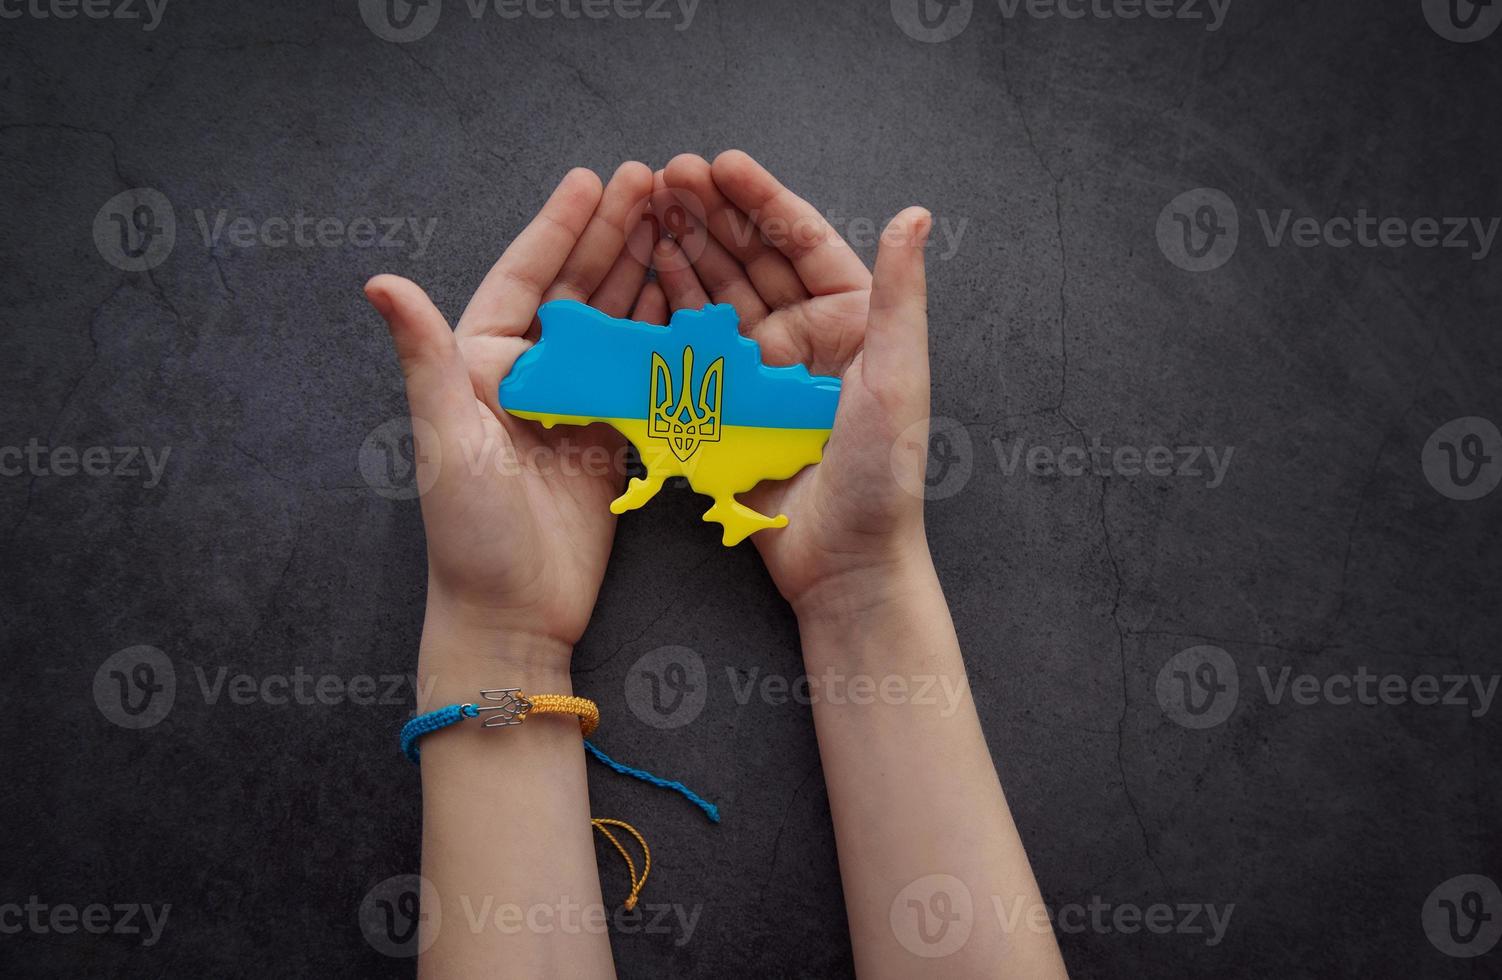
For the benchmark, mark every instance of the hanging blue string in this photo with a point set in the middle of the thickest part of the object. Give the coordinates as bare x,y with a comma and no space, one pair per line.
712,811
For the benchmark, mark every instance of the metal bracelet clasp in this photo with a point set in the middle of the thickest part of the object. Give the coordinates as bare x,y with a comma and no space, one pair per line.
510,708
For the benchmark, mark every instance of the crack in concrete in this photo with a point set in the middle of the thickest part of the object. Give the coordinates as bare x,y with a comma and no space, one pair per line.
1234,641
787,812
689,576
67,402
1364,495
1121,637
288,481
458,110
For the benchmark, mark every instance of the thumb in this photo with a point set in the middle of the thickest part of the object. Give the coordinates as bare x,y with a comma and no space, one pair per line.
895,359
438,389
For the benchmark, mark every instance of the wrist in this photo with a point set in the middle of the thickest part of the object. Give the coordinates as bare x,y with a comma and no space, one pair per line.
866,596
461,656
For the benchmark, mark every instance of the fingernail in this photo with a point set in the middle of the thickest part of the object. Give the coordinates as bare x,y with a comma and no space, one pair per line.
380,299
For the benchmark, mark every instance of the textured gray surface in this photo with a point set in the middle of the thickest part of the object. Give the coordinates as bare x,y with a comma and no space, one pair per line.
1056,319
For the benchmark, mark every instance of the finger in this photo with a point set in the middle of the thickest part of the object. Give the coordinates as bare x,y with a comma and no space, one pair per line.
621,205
438,389
719,273
677,278
511,291
489,360
825,262
651,305
690,179
895,356
623,283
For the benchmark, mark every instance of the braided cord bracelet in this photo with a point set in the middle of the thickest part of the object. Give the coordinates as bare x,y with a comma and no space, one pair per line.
503,707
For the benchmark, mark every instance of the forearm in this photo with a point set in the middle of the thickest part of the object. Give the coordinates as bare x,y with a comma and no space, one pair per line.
506,837
912,788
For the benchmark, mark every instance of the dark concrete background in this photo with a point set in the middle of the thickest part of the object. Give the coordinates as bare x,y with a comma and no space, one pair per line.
1057,320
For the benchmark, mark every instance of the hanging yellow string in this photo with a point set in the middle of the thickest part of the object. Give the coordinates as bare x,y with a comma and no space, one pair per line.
600,824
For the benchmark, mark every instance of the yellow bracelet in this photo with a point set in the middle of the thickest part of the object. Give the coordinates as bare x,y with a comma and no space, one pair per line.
511,707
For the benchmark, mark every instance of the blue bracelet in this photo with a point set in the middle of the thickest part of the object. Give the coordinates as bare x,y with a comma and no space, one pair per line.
429,723
433,721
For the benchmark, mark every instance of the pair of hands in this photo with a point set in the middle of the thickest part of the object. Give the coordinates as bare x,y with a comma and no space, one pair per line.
518,522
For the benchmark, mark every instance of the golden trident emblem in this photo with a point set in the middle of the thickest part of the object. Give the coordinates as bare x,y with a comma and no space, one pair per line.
685,424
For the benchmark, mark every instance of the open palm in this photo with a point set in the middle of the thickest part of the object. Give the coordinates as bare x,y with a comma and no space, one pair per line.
517,517
736,235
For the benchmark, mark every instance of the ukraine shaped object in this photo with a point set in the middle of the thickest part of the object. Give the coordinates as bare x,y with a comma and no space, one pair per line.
693,397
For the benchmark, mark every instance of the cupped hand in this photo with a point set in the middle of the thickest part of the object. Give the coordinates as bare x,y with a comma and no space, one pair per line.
518,521
738,236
